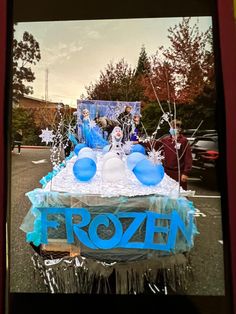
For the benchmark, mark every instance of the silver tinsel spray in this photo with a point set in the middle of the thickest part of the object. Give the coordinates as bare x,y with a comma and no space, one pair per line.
85,275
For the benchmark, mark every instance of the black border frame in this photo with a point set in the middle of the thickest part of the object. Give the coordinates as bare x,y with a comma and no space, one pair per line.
25,10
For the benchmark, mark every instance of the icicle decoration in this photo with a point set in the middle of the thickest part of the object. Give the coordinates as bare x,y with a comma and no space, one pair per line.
57,145
62,132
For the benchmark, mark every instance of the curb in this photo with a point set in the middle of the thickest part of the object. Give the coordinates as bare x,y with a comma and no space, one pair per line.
35,147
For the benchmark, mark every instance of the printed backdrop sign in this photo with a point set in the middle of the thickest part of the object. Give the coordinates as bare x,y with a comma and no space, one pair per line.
109,109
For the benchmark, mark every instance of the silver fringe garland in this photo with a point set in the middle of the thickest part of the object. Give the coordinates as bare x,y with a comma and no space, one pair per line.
163,275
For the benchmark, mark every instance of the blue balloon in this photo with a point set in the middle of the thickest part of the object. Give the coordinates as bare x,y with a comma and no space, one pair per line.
148,173
106,149
84,169
133,159
78,147
137,148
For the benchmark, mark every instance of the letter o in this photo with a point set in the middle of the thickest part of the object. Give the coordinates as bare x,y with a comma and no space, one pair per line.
103,219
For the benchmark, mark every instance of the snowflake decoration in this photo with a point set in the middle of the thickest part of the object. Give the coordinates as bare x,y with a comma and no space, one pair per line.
127,147
155,156
92,124
47,136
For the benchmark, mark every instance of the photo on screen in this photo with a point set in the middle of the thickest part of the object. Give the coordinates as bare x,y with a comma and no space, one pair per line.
115,158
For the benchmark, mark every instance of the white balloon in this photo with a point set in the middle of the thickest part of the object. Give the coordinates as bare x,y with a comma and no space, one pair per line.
85,149
113,170
91,155
109,155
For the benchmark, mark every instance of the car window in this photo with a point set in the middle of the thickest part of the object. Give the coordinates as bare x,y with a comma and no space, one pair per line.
210,145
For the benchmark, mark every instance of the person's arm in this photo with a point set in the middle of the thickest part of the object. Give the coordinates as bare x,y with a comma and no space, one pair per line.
187,159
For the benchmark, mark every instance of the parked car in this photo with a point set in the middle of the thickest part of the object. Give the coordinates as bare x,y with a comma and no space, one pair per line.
192,134
205,155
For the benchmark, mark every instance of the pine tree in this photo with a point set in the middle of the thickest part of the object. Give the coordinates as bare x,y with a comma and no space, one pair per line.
116,82
143,67
26,53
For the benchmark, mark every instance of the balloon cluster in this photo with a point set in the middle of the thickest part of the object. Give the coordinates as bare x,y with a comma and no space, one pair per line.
145,171
85,167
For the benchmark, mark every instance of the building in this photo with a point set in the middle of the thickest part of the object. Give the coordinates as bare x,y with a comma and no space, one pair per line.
34,103
44,112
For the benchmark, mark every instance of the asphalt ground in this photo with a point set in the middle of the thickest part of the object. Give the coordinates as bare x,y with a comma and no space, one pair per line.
206,256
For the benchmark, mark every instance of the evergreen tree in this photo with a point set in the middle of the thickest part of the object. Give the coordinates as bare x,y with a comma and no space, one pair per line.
26,52
116,82
143,67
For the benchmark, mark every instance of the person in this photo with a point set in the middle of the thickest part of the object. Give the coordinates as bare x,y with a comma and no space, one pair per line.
90,132
173,146
107,125
136,128
125,121
17,141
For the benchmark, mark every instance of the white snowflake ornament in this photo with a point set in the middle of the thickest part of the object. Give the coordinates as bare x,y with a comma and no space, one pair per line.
155,157
47,136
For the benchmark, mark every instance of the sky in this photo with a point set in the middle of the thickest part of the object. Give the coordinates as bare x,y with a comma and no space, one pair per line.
75,52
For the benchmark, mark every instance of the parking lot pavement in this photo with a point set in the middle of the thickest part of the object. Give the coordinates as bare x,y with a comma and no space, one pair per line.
206,256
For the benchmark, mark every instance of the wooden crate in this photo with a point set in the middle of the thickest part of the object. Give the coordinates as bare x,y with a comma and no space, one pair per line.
59,247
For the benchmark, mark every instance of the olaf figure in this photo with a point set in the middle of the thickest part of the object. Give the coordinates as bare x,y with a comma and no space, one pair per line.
116,144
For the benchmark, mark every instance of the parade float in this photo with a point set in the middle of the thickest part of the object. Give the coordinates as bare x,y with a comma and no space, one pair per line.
107,218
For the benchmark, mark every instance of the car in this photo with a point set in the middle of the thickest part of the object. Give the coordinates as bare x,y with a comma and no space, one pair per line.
193,134
210,135
205,155
198,132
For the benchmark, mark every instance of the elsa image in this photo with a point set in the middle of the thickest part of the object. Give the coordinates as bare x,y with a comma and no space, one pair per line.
91,132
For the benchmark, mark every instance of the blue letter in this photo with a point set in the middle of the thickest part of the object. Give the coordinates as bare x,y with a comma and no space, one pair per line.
130,231
151,229
48,223
176,223
103,219
70,226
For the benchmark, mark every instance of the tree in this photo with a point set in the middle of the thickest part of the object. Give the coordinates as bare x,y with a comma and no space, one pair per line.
24,119
143,67
160,79
26,52
116,82
191,56
142,73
